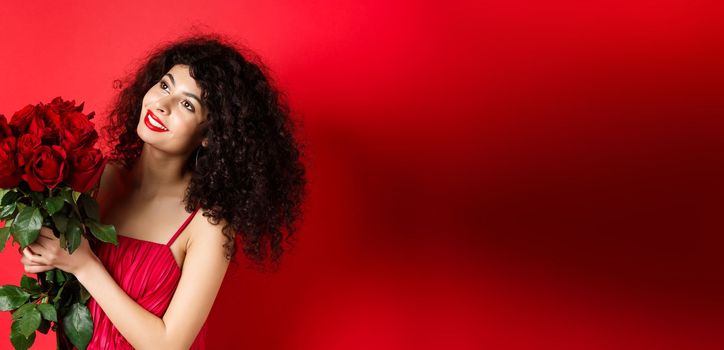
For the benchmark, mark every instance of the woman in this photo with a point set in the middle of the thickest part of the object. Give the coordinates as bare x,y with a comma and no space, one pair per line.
198,129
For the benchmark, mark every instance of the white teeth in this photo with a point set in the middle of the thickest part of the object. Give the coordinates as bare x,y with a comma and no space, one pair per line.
155,123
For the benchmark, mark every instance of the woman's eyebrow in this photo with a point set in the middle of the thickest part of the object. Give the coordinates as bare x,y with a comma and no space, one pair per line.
173,81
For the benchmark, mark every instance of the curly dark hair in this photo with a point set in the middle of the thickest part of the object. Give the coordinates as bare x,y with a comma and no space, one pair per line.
250,174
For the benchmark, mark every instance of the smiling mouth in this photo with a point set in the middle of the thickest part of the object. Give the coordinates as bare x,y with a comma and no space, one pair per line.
153,122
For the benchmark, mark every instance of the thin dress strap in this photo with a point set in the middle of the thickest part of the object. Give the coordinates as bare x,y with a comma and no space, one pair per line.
183,226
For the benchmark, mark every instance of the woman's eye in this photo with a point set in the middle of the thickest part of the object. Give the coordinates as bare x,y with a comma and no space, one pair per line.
190,106
163,85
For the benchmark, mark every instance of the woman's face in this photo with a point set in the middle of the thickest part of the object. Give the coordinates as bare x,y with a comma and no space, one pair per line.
172,113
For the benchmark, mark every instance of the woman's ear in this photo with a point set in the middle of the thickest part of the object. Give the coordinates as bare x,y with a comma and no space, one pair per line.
204,142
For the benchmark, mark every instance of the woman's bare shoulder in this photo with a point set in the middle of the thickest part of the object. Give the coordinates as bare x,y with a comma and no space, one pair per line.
114,165
208,231
110,172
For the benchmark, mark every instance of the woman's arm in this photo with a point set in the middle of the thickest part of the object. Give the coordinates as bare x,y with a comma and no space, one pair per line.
203,271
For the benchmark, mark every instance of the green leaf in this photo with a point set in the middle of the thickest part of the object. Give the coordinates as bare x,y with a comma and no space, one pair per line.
50,275
10,197
26,226
21,342
67,196
72,234
105,233
11,297
54,204
3,191
60,277
90,206
76,195
22,310
4,235
78,325
59,295
61,222
29,283
48,312
8,210
28,322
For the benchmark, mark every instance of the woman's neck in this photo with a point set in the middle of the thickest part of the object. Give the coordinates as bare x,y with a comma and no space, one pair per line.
156,174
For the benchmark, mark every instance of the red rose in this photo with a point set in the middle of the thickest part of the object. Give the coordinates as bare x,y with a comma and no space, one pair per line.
26,147
50,136
9,171
50,116
28,120
45,168
51,133
86,167
5,130
60,106
78,132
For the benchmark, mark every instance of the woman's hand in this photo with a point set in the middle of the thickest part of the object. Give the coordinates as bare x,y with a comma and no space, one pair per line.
45,254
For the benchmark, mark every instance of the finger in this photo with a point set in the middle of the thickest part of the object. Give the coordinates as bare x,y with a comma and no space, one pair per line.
37,243
37,248
27,262
38,268
28,253
33,257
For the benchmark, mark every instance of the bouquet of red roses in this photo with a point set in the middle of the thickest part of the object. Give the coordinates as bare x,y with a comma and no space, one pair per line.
49,167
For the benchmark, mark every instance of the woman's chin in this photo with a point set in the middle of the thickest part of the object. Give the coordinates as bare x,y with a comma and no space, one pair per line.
145,134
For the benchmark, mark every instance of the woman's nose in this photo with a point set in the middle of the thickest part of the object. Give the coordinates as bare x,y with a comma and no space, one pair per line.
161,105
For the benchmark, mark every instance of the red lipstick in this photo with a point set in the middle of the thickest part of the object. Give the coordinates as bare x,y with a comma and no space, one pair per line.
153,123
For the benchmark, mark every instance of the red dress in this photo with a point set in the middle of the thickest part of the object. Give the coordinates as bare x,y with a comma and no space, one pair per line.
149,274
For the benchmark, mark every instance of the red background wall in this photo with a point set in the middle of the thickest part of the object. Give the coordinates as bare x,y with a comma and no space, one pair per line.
483,174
